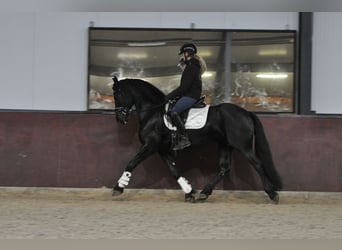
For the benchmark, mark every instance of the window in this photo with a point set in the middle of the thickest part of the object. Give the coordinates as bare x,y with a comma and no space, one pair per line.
253,69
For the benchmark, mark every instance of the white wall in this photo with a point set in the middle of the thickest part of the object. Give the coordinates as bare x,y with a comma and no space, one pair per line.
43,56
16,60
327,63
43,61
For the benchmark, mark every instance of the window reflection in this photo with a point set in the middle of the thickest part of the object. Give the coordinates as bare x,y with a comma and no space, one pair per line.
252,69
263,71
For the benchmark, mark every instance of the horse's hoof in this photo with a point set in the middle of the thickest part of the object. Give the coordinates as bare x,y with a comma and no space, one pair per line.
202,197
274,196
190,199
275,199
190,196
117,191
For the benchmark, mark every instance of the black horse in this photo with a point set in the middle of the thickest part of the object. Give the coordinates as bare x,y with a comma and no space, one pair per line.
232,127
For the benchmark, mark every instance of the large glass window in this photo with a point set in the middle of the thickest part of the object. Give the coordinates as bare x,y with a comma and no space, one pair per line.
252,69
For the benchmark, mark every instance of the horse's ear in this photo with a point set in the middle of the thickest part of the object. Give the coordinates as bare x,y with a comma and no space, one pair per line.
115,79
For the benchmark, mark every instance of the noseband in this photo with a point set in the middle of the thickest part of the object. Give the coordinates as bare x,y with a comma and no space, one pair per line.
122,113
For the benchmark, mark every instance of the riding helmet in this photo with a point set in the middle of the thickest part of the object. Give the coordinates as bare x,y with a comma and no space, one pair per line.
188,47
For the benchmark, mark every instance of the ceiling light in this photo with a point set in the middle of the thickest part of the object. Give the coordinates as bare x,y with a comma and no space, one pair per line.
272,75
207,74
205,53
146,44
132,56
273,52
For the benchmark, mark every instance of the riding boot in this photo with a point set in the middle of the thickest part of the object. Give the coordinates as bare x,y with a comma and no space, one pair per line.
183,140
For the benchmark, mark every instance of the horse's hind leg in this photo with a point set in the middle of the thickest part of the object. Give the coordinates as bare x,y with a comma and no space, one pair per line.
224,165
268,186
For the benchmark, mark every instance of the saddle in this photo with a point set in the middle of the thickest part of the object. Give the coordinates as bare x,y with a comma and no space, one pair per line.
194,118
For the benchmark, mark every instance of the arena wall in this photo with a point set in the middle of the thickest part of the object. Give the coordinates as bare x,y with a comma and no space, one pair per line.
75,149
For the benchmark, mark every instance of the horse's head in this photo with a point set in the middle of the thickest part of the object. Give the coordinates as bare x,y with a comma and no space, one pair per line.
123,101
137,93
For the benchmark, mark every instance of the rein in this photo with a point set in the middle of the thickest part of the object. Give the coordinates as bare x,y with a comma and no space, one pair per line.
126,110
154,107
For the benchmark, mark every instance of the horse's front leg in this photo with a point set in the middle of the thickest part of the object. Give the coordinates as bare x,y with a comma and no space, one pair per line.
145,151
184,184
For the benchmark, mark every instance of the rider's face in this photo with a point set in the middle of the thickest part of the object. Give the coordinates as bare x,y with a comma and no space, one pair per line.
185,56
181,61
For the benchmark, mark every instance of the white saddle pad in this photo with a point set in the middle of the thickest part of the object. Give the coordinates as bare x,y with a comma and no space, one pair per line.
197,118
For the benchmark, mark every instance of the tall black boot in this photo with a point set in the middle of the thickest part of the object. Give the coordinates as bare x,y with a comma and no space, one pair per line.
183,140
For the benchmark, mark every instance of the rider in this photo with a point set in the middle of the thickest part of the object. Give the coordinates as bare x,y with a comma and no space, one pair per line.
188,92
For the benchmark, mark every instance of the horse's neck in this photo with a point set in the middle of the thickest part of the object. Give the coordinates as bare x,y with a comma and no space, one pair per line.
143,102
146,108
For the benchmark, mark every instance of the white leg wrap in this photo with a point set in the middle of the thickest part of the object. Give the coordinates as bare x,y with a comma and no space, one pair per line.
186,187
124,179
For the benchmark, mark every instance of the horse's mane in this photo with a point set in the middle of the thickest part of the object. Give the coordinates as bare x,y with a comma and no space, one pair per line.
146,89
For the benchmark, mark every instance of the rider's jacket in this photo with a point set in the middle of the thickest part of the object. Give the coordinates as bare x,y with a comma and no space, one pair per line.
191,81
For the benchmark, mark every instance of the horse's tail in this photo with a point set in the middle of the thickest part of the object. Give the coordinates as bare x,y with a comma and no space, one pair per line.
263,152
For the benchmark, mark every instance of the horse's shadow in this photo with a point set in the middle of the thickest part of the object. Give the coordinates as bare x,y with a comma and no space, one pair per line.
200,164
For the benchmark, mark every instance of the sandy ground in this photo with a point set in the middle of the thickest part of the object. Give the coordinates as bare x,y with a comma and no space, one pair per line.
47,213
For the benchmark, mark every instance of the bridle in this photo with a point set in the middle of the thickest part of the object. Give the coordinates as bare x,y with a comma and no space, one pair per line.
123,112
126,111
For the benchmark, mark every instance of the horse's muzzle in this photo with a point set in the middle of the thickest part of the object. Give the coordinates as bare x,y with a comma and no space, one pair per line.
122,115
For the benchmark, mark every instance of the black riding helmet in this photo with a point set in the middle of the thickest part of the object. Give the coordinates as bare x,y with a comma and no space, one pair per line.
188,47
